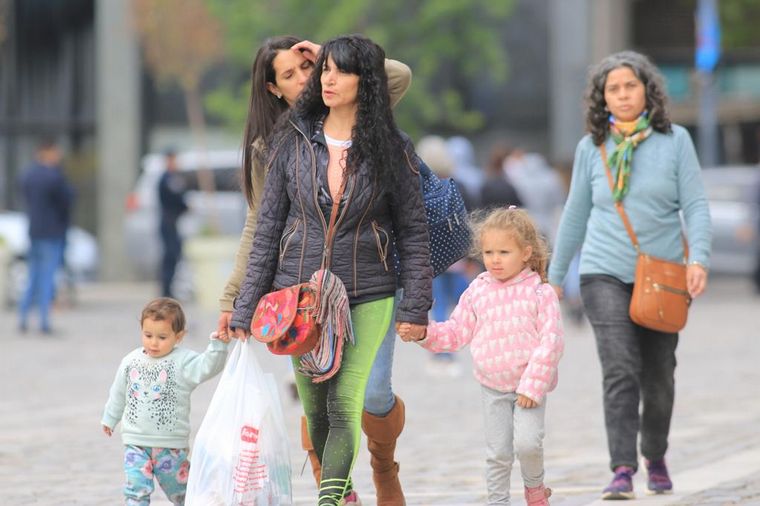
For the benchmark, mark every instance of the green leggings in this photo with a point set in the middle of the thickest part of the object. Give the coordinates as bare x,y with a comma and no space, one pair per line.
334,408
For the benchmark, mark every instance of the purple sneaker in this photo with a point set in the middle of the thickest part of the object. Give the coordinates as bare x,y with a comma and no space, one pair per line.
659,481
621,487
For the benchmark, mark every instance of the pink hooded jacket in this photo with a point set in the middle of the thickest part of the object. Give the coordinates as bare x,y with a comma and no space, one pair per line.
514,331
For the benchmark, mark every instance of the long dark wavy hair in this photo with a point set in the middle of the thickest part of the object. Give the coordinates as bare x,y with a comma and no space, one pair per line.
263,107
597,115
376,140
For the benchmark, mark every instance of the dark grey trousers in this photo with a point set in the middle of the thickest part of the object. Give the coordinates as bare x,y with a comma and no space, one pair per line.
638,366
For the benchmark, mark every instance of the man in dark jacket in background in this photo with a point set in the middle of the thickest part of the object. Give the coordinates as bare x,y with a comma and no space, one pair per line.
48,198
171,195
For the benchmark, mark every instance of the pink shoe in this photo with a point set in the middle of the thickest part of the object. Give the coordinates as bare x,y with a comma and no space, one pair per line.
537,496
352,499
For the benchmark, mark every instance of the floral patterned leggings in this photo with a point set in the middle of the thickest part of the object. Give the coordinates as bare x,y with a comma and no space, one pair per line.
169,465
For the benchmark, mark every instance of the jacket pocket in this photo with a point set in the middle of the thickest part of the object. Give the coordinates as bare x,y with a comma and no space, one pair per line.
382,239
287,236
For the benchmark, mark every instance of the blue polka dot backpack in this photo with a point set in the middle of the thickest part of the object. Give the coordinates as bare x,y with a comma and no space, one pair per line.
446,217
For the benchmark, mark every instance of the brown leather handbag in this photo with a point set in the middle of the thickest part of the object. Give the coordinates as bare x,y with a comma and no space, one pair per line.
660,299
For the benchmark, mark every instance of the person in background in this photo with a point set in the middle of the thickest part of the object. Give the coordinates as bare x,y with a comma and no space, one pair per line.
171,196
48,197
540,188
656,177
497,190
466,172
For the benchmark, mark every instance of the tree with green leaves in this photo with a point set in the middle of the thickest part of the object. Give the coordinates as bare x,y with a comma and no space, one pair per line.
447,43
181,40
739,20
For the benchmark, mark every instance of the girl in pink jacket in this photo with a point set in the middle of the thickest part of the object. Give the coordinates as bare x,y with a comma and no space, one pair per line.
510,317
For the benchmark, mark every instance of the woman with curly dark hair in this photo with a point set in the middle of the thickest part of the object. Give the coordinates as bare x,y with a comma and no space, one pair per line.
279,73
339,151
654,171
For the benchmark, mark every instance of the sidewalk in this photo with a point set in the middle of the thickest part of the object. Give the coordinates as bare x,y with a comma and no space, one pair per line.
52,392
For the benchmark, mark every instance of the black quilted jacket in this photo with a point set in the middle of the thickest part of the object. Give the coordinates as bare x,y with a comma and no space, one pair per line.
289,243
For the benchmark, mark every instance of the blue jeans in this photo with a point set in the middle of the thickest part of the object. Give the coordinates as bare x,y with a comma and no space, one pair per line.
638,366
44,260
379,398
447,288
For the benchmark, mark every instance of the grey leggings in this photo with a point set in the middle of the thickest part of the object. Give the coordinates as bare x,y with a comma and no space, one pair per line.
638,364
510,429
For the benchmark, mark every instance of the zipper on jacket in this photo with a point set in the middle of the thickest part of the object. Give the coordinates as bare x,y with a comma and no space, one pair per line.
358,231
381,251
313,177
286,237
351,183
325,251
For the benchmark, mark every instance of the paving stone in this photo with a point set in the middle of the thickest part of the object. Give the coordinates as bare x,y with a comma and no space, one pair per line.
52,392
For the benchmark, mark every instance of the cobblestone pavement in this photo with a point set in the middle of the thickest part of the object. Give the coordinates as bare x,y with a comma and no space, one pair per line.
53,388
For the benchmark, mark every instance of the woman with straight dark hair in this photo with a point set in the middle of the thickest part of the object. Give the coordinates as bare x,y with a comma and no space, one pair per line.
279,73
339,151
655,173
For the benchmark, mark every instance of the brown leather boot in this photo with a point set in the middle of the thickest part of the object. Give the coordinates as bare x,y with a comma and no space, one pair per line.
316,466
382,433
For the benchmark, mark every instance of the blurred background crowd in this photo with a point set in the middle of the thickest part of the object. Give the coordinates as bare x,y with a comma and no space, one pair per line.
495,103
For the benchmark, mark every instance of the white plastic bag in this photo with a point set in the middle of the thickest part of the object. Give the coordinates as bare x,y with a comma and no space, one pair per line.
240,456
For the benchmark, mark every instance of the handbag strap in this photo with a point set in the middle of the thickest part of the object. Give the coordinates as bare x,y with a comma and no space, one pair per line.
327,255
624,215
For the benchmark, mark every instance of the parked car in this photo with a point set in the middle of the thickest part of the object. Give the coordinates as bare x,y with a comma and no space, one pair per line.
733,193
219,212
80,258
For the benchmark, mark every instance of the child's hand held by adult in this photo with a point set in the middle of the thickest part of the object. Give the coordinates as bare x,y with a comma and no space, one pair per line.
221,336
223,324
411,331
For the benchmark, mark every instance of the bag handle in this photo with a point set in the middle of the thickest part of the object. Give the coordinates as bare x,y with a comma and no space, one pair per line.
624,215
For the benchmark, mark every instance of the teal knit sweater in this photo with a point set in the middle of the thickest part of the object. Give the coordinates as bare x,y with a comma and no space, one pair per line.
151,396
665,179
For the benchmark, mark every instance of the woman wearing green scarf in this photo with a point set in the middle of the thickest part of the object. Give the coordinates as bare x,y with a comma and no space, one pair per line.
656,175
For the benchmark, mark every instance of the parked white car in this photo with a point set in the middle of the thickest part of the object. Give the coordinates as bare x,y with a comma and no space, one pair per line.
220,212
80,258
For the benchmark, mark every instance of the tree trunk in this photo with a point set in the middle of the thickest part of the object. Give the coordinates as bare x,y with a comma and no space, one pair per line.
196,118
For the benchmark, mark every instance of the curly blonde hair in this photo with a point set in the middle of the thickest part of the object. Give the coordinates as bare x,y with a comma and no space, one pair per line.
520,225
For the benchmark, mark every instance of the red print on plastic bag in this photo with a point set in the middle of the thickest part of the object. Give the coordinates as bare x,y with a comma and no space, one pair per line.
250,473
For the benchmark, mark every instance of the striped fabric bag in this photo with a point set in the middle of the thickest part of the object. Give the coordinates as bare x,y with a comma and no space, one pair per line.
334,317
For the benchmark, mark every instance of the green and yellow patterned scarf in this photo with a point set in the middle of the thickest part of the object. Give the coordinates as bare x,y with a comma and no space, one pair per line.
622,157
